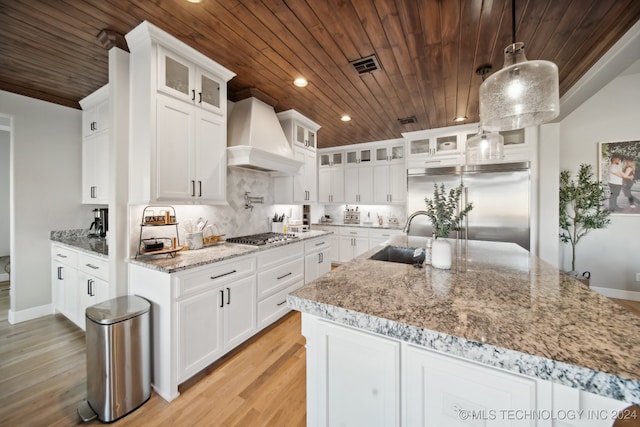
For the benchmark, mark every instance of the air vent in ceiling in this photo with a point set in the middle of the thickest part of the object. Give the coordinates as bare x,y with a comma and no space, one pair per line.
366,65
407,120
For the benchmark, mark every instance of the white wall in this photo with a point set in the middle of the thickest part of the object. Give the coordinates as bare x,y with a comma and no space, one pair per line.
4,193
612,255
46,166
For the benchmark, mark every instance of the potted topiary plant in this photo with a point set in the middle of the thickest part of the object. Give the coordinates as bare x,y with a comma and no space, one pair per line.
446,216
581,209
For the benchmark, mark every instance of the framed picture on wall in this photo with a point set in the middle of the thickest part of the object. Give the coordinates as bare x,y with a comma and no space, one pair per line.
619,171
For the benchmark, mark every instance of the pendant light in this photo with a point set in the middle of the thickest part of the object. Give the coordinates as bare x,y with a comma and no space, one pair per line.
484,147
523,93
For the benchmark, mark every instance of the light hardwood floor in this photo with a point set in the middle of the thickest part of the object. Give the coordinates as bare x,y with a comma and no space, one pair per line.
43,379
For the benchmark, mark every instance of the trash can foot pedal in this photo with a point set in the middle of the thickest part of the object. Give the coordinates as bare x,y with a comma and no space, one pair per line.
85,412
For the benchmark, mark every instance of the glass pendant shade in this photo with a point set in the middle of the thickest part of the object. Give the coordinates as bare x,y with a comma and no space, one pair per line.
484,147
523,93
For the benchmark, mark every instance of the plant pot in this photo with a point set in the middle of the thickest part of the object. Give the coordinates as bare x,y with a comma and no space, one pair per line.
441,254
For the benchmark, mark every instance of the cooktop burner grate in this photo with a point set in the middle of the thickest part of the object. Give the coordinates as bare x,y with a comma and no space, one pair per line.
262,239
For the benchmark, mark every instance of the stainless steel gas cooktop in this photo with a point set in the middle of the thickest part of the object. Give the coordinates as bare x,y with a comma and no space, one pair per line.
262,239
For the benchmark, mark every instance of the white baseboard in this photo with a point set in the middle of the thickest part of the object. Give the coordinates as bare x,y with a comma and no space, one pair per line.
29,314
4,277
618,293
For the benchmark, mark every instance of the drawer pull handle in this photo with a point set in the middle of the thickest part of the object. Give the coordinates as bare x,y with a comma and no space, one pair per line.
60,273
222,275
320,244
93,266
228,296
61,256
281,303
353,232
288,274
221,298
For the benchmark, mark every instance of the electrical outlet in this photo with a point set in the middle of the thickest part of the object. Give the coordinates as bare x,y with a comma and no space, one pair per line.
637,277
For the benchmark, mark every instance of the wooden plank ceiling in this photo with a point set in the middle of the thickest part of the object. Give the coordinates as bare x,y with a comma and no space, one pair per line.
428,50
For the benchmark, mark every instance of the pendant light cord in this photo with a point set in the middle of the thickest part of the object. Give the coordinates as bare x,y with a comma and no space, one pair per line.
513,21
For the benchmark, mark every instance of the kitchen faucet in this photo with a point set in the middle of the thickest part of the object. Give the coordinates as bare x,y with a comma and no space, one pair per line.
407,226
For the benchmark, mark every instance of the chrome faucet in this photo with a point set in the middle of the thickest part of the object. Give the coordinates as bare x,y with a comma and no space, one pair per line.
407,226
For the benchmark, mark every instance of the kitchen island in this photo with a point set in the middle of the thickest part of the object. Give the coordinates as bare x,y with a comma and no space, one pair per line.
501,331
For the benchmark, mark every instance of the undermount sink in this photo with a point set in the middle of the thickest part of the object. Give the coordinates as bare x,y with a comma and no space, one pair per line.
398,254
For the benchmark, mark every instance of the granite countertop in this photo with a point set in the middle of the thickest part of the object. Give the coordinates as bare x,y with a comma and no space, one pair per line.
79,239
184,260
504,308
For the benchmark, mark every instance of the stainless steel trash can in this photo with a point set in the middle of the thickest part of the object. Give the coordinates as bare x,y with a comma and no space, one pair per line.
118,358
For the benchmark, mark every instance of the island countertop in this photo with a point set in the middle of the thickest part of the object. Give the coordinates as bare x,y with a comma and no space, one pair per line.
504,308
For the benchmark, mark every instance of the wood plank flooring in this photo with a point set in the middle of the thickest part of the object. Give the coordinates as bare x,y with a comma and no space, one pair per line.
43,379
262,383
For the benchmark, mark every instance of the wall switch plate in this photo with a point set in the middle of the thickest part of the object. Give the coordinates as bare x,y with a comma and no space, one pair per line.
637,277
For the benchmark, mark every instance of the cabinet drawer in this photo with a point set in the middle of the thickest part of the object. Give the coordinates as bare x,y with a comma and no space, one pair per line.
384,233
316,245
280,277
276,256
98,267
274,307
212,276
64,255
354,232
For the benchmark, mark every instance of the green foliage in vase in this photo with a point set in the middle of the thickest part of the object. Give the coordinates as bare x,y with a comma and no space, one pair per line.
581,208
444,210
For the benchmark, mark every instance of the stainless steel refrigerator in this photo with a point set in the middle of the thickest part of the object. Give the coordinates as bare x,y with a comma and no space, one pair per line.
500,194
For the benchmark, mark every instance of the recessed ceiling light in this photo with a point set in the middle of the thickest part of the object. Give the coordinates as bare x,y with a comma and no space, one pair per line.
460,119
300,82
194,1
345,118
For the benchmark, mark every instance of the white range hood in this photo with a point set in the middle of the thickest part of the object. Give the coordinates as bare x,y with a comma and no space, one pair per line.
255,139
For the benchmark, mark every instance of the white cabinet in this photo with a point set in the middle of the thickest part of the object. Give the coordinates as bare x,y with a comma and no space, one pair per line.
184,80
78,281
359,155
358,186
331,185
195,169
331,159
353,242
437,147
178,121
390,183
380,236
305,183
215,309
317,258
95,147
390,152
354,389
300,131
447,387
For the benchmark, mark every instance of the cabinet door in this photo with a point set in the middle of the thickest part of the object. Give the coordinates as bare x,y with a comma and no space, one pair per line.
174,150
381,184
239,311
92,290
361,245
210,157
439,386
71,305
199,327
95,169
397,183
208,92
365,184
335,249
58,272
337,185
175,75
351,190
88,168
299,187
324,185
311,176
316,265
357,390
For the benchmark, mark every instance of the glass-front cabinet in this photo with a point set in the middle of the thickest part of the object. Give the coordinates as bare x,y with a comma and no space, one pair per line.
331,159
390,153
305,136
360,155
184,80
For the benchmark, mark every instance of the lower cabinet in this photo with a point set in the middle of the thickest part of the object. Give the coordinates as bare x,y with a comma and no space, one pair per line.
355,377
78,281
317,258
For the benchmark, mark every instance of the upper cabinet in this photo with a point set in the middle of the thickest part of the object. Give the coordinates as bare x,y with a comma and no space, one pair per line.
437,147
186,81
390,152
178,121
301,132
95,147
359,155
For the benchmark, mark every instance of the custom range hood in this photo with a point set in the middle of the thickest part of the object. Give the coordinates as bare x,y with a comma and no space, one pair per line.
255,139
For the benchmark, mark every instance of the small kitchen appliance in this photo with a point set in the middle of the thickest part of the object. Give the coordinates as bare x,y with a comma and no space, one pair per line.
100,224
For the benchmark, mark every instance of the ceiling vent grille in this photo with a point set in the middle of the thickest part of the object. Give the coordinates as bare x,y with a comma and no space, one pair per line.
407,120
366,65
